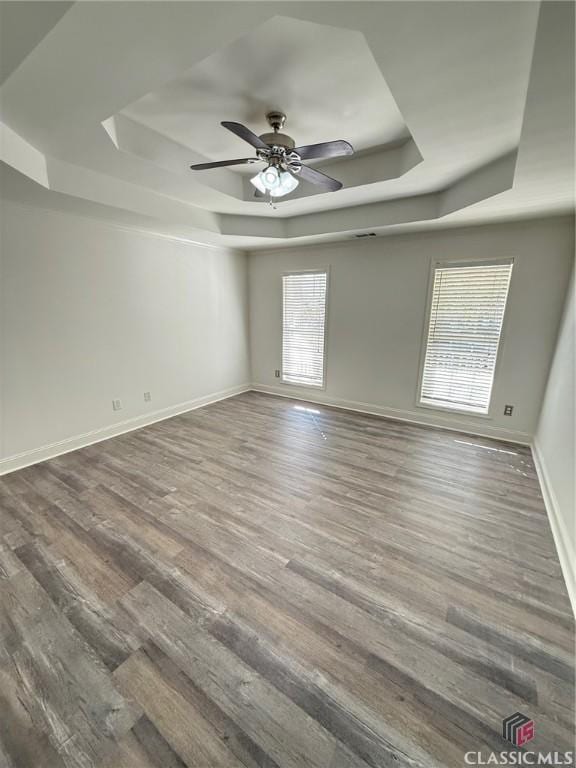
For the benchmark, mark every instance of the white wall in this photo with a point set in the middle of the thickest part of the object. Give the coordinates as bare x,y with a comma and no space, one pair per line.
91,313
376,318
554,444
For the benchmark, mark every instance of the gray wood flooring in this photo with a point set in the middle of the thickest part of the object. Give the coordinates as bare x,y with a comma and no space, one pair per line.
263,582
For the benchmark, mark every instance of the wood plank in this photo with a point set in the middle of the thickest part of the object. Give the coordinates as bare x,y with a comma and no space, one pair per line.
62,684
181,724
94,620
268,717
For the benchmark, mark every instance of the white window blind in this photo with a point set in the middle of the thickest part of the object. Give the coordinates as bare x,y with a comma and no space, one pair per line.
303,326
466,315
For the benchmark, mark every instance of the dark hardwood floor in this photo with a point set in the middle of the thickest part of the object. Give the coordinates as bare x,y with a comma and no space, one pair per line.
263,582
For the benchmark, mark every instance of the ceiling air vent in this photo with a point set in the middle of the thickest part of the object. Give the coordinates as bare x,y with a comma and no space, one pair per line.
366,234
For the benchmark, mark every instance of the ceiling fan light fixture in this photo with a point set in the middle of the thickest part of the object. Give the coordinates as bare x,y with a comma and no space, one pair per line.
275,182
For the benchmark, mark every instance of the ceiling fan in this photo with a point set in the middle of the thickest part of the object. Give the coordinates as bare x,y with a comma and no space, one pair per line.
284,161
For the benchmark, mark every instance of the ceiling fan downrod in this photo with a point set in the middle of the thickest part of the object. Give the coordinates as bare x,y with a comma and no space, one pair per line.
276,121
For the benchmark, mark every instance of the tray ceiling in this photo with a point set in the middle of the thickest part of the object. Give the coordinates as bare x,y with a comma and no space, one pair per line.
461,112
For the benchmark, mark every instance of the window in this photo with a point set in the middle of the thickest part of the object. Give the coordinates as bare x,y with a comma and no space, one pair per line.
466,315
303,327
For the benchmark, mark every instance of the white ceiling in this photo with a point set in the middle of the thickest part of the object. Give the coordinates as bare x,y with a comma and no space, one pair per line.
297,67
463,112
23,27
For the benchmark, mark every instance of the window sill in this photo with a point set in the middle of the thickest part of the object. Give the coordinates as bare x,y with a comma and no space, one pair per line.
456,411
315,387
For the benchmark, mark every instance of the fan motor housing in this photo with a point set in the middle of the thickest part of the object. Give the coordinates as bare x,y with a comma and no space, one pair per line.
278,139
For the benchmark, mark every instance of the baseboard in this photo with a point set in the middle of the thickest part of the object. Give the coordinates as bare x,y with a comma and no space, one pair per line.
564,547
413,417
36,455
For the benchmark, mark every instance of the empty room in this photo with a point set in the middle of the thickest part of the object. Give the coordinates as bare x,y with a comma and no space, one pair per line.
287,384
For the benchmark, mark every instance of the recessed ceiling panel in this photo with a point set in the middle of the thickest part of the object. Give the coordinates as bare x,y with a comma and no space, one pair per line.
324,78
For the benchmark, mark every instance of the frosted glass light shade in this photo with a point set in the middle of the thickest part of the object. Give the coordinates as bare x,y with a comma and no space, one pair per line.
275,182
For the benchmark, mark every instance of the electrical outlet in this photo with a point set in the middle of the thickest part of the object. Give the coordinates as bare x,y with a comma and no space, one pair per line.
116,405
147,397
277,373
508,410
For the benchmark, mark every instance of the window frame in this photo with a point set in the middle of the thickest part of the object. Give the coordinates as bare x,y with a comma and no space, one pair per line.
471,262
313,271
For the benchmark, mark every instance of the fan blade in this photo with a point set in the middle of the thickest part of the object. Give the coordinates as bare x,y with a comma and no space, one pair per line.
223,163
311,174
327,149
245,133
